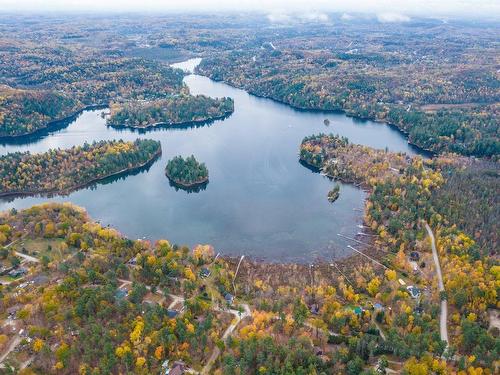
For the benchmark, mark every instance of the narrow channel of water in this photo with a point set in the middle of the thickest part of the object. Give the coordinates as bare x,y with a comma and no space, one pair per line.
259,202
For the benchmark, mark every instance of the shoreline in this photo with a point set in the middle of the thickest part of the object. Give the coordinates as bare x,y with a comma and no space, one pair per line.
187,186
52,125
67,191
313,168
172,125
421,150
347,263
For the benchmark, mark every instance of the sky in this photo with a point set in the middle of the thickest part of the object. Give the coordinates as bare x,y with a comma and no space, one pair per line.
391,10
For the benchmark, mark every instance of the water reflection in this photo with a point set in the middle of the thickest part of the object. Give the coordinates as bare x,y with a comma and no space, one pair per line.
260,201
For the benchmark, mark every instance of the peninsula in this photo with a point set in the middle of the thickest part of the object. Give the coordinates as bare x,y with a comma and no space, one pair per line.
176,110
61,171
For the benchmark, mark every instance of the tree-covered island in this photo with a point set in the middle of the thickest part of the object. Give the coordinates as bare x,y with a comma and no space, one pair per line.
186,173
334,194
60,171
176,110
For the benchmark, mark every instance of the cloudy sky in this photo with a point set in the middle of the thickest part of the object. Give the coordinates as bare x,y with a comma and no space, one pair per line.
403,8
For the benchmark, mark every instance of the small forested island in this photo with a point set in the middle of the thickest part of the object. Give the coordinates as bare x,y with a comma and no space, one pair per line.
334,194
60,171
187,173
175,110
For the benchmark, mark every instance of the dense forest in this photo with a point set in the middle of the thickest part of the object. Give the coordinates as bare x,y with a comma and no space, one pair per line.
63,170
445,109
176,110
348,162
59,81
117,300
77,297
469,198
25,111
399,201
186,172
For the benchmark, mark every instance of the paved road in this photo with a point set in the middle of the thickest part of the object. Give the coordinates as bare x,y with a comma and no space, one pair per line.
443,319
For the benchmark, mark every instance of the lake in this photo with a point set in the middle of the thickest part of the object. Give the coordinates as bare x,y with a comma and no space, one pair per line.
260,201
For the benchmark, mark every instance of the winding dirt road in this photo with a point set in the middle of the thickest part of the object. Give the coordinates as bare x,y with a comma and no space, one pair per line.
238,316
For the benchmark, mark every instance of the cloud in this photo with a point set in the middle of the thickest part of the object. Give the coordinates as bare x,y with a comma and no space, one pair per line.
346,17
284,17
278,10
314,17
279,18
392,17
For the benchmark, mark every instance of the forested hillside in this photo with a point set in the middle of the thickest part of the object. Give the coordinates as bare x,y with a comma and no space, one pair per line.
444,94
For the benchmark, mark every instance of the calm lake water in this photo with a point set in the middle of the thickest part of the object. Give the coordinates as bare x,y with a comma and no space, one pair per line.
260,200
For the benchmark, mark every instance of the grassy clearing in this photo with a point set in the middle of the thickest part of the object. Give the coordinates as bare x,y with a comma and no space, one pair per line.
55,249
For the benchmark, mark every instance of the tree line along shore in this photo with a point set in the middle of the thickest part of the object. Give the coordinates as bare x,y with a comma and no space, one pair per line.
63,170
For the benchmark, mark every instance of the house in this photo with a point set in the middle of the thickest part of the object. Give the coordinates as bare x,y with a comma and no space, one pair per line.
4,270
121,293
414,291
314,309
132,261
204,273
172,313
164,367
229,298
414,256
178,368
358,310
378,307
18,272
40,279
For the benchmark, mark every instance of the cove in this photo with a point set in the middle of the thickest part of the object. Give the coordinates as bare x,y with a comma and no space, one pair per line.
260,202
